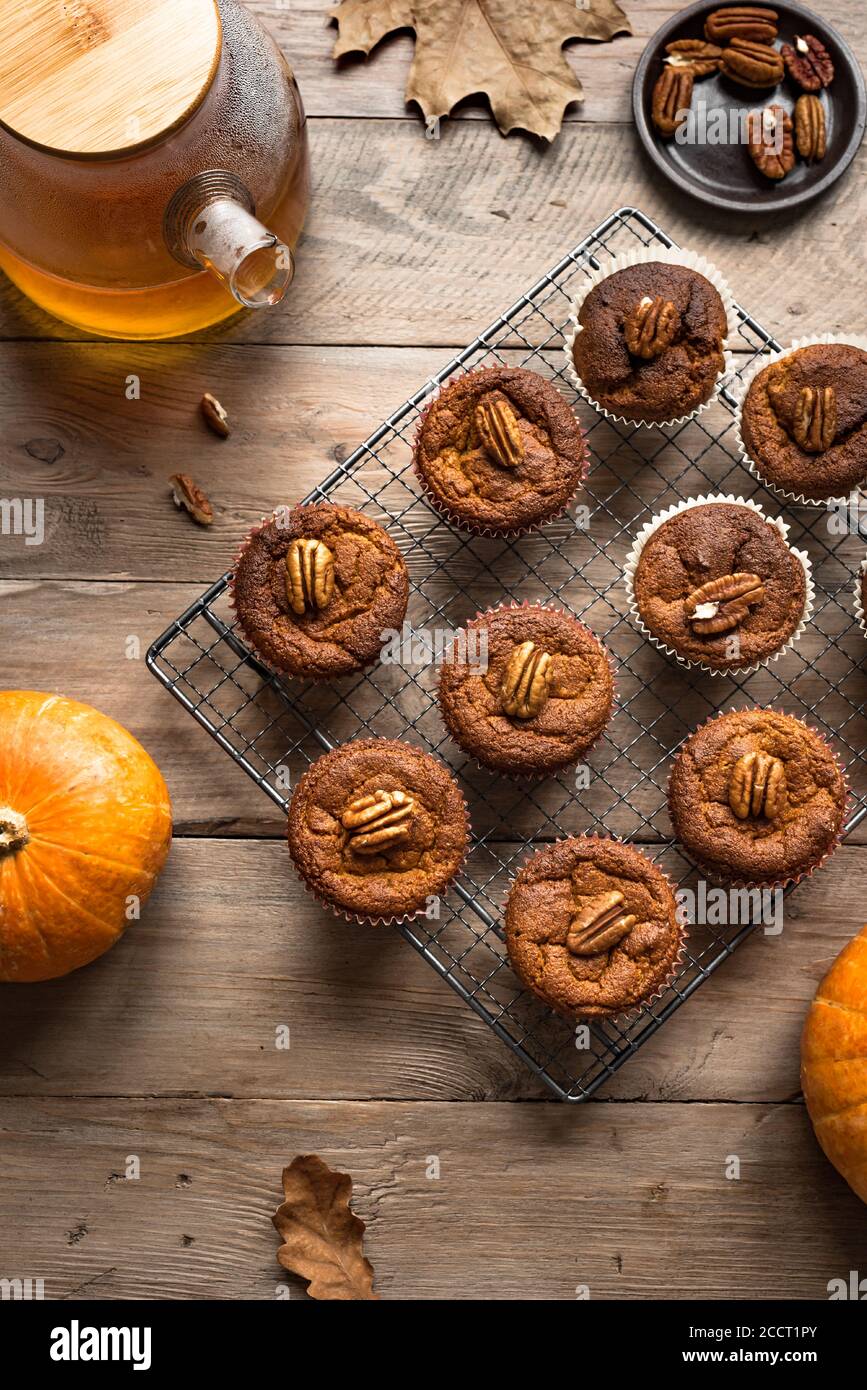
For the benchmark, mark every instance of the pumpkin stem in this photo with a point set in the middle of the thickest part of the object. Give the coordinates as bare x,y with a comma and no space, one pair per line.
13,830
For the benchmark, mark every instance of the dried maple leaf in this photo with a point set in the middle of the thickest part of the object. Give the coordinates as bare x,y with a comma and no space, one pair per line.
510,49
322,1235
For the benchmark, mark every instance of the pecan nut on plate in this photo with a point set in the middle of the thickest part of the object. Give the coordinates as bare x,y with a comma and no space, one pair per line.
752,64
810,129
770,142
671,99
808,63
741,22
694,56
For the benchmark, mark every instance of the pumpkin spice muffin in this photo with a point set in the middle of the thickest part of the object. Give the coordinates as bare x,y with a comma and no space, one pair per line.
526,690
376,828
591,927
757,797
714,583
314,589
500,451
649,346
803,422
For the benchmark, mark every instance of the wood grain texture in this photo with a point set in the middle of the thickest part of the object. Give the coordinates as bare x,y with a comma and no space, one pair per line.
404,246
531,1202
231,949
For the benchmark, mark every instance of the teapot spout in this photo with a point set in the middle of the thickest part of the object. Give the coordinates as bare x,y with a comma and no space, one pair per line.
210,222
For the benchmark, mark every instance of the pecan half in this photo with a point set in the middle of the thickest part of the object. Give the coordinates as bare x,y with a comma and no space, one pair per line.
722,604
599,926
672,94
815,422
309,576
526,681
498,429
741,22
693,55
770,142
810,134
186,493
379,821
752,64
215,415
808,63
651,326
757,786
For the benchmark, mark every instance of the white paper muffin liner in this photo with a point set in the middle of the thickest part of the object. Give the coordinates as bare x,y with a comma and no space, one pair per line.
740,390
644,256
631,563
859,606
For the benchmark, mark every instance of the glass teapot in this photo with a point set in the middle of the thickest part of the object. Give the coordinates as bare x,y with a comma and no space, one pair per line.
154,169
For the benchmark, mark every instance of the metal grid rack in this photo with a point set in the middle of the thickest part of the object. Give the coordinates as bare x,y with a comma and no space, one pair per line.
273,731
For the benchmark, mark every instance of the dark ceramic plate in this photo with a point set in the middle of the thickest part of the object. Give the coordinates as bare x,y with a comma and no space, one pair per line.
724,175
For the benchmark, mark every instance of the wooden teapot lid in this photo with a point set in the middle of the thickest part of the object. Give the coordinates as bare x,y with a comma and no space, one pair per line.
98,77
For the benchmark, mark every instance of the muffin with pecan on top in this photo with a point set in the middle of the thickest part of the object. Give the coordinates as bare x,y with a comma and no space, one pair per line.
757,797
377,828
315,588
592,927
803,422
526,689
715,584
648,341
499,451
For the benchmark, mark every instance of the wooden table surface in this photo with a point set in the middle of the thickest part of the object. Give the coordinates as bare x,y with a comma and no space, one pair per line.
165,1049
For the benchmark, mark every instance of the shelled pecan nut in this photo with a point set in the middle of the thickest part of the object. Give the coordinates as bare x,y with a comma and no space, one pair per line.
770,142
216,416
752,64
526,681
721,604
808,63
186,493
741,22
693,55
672,94
815,423
309,576
599,926
378,821
810,133
498,429
651,326
757,786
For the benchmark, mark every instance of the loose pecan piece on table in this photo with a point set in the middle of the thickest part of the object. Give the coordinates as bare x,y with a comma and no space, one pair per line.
808,63
757,786
752,64
721,604
815,423
694,56
186,493
525,687
672,95
770,142
741,22
599,926
810,130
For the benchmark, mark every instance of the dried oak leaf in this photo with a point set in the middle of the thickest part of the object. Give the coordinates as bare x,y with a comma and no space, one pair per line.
322,1235
508,49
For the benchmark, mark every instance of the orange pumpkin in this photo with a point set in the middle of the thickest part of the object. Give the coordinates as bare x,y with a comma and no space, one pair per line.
834,1064
85,827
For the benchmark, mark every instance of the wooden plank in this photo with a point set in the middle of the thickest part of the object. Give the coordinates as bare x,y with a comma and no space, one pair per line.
530,1202
355,87
416,242
231,949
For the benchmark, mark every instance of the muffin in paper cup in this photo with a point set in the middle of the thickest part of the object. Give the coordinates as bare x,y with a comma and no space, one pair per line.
738,779
645,256
741,390
377,830
859,595
503,454
539,752
630,567
598,941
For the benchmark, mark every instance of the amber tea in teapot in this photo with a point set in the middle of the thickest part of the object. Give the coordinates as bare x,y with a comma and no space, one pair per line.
153,162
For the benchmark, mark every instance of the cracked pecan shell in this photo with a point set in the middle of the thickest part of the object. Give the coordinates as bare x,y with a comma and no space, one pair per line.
770,142
752,64
808,63
810,130
741,22
672,94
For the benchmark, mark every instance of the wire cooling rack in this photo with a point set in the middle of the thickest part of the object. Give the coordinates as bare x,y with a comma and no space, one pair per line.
274,730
